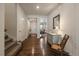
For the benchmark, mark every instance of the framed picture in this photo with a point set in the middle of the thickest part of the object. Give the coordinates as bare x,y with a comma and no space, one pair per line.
56,22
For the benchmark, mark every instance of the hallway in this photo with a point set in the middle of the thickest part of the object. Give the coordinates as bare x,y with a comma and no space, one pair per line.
35,47
23,19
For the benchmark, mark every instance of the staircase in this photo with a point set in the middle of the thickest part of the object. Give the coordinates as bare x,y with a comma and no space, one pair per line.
11,47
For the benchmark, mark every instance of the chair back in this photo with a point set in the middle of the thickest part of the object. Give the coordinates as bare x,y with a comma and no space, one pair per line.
63,42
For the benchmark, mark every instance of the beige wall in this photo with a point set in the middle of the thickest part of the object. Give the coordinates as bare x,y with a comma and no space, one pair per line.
2,29
67,24
11,20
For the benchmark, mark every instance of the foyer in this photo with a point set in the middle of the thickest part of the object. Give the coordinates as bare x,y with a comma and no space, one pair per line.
39,29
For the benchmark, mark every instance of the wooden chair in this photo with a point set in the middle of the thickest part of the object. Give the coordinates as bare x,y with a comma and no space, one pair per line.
59,48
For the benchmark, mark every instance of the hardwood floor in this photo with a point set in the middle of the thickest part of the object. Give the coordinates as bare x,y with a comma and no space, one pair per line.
37,47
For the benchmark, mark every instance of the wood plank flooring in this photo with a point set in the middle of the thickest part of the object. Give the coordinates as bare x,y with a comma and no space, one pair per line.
35,47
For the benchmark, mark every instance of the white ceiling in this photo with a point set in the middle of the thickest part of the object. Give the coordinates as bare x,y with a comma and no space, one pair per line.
44,8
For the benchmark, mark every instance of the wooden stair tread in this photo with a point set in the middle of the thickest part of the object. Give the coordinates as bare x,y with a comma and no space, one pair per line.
11,47
7,40
13,50
9,44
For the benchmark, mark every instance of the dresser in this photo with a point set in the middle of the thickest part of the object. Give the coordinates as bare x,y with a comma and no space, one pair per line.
53,38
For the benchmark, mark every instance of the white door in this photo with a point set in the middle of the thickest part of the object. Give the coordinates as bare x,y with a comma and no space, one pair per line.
21,30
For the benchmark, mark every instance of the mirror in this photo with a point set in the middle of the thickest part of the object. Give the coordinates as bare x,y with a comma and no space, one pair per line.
56,22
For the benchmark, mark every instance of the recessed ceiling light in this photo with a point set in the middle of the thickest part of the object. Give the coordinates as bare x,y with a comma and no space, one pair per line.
37,7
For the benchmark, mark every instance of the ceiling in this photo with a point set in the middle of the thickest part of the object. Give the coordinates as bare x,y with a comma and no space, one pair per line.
44,8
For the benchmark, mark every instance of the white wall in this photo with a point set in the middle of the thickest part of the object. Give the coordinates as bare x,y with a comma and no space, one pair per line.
2,29
15,22
22,24
11,19
67,24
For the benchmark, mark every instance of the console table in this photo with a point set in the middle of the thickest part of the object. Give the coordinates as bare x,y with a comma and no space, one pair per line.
53,38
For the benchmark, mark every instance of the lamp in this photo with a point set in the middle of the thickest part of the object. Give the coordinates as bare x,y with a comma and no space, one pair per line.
57,27
56,30
59,31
